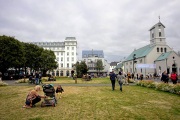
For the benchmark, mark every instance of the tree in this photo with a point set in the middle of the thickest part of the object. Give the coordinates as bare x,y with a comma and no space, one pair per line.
99,66
48,62
81,68
11,54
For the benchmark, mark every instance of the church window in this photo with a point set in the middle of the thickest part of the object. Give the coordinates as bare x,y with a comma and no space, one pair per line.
157,49
161,49
159,34
165,50
152,35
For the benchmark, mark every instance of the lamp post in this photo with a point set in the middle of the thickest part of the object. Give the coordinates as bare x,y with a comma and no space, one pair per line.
134,61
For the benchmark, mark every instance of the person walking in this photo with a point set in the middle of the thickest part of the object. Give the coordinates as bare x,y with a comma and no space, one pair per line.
174,77
37,78
120,79
165,77
113,79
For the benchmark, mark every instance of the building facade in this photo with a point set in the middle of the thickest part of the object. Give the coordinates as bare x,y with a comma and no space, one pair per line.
66,54
90,57
155,57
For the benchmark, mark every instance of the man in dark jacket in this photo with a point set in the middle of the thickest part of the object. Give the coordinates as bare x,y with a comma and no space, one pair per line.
113,79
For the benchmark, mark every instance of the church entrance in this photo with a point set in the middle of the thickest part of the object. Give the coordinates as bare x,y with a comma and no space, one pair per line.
174,68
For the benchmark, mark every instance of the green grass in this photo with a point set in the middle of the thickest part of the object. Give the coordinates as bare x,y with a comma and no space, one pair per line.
93,103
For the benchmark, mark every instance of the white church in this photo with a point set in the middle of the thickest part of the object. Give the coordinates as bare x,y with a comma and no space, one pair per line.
156,57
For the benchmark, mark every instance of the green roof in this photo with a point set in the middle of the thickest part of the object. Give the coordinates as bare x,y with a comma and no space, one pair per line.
163,56
141,52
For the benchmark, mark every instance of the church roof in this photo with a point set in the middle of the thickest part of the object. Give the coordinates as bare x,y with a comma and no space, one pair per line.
163,56
141,52
157,24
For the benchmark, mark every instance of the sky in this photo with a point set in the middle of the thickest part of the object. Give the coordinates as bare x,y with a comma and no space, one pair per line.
115,26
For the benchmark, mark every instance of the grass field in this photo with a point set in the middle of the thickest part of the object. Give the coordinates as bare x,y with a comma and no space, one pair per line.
93,103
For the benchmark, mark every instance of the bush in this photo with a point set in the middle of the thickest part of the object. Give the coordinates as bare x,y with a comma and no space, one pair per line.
175,89
3,83
22,81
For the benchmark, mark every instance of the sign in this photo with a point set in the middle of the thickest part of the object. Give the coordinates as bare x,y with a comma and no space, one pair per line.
145,65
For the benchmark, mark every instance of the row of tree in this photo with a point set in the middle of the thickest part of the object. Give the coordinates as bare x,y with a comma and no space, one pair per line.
18,55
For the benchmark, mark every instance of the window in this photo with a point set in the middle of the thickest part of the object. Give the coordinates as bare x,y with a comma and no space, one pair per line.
61,53
67,48
159,34
67,53
161,49
57,53
57,58
72,48
152,35
67,65
157,49
61,58
72,58
61,64
165,50
72,53
67,58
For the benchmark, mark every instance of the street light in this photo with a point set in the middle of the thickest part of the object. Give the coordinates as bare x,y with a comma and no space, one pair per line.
134,61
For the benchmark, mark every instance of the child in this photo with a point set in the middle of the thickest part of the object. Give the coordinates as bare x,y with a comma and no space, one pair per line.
59,91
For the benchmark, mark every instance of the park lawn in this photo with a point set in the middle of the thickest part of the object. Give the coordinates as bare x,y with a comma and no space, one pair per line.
89,103
80,80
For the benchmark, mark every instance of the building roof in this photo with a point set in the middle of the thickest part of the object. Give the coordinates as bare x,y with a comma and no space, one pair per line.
158,24
141,52
113,63
92,53
163,56
120,65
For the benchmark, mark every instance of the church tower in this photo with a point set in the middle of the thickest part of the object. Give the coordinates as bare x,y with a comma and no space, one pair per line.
157,35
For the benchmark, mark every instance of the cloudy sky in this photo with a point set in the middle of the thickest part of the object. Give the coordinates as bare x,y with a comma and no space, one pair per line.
115,26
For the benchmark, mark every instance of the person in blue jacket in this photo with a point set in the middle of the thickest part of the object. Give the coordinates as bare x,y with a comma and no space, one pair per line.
113,78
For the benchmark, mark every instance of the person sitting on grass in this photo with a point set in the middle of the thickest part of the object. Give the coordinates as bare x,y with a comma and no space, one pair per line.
33,97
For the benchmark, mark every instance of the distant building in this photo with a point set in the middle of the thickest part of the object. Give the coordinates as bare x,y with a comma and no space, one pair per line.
66,54
90,57
113,65
155,57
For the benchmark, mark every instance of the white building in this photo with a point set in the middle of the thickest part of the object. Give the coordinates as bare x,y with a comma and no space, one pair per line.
155,57
91,56
66,54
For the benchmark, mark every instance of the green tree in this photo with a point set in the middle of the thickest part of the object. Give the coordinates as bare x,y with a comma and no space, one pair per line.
99,66
11,54
48,62
81,68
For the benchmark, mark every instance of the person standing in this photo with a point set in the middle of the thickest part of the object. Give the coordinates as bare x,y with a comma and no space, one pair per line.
120,78
113,79
37,78
165,77
174,77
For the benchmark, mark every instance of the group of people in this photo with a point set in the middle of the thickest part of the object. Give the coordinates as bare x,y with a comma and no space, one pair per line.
34,97
35,79
165,77
120,78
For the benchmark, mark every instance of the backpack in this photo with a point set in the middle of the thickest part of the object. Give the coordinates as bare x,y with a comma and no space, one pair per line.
173,76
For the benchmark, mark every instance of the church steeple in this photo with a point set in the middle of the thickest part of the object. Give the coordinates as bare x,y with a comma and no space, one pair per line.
157,35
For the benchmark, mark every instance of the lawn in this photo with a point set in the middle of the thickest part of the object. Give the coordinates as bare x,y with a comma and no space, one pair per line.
89,103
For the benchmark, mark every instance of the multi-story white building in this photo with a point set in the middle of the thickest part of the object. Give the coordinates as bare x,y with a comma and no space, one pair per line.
90,57
66,54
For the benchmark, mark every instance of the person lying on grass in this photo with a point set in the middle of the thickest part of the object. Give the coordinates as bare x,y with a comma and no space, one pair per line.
33,97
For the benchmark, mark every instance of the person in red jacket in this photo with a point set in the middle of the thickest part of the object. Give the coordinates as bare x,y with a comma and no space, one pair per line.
174,77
